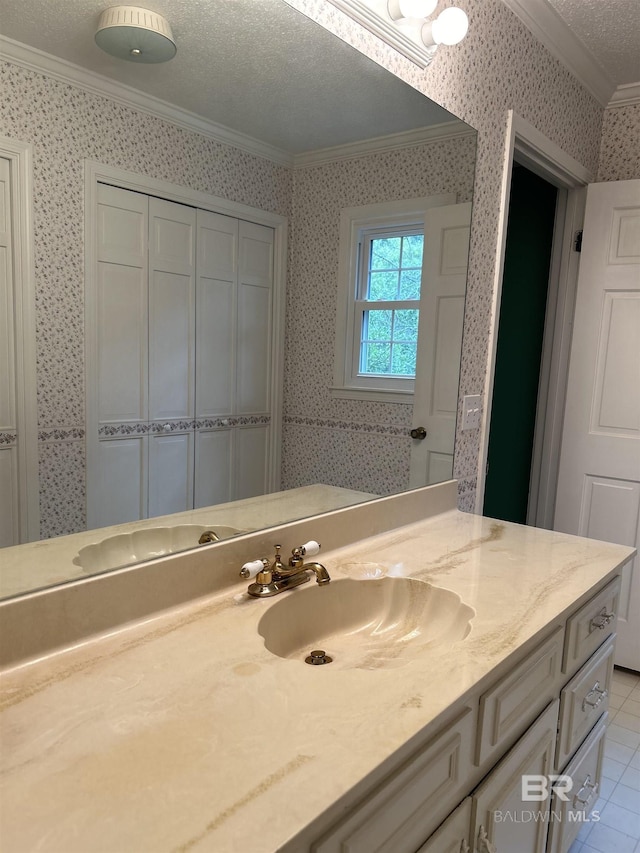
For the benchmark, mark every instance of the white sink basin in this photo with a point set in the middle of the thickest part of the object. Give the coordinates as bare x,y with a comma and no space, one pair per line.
125,549
365,624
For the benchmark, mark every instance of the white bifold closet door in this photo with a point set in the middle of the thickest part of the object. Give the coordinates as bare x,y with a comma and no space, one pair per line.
233,345
183,339
172,281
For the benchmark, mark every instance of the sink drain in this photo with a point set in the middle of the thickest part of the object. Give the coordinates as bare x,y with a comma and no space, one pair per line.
317,658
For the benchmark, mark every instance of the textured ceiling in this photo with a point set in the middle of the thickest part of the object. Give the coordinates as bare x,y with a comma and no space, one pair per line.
256,66
610,30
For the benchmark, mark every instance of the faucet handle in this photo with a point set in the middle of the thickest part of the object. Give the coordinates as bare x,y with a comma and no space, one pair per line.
251,569
310,548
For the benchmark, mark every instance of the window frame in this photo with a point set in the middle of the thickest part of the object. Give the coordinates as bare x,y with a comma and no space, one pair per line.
354,223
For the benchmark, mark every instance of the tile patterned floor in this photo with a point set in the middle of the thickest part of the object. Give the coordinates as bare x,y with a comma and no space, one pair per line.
618,830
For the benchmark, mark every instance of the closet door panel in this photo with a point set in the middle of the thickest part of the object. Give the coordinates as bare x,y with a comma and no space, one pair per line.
170,473
254,318
251,445
123,227
122,305
121,483
9,516
122,343
171,310
214,453
216,314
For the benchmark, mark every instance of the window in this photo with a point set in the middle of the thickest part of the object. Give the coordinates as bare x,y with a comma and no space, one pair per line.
388,301
380,283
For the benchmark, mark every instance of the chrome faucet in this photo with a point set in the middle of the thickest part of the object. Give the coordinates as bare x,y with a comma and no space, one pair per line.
274,577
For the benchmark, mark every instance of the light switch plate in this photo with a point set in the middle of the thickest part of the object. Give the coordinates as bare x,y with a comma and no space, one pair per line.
471,411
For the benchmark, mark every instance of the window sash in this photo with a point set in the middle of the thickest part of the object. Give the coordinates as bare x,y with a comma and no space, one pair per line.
362,304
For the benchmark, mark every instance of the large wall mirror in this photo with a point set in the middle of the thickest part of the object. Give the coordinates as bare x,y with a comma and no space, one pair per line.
353,140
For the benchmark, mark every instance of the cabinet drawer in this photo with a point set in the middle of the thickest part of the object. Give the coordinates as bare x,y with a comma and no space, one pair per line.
590,626
453,835
508,708
584,774
404,809
583,700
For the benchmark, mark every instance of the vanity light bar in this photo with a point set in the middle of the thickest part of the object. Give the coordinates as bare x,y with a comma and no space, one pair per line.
402,24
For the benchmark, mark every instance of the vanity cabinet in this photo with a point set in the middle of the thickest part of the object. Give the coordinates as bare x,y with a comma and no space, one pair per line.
463,791
398,816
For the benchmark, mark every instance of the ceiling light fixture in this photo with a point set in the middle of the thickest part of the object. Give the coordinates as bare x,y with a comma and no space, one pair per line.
134,34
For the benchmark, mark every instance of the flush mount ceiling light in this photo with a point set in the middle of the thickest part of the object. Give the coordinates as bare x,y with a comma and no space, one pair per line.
134,34
403,24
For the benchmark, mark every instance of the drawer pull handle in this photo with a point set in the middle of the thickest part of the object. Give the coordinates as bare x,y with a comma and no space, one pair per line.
601,620
594,697
586,794
484,845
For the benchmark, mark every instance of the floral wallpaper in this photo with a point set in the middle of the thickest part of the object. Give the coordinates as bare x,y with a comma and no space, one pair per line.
67,125
354,442
498,67
620,146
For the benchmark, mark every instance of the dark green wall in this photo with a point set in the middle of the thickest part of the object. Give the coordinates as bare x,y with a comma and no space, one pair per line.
523,304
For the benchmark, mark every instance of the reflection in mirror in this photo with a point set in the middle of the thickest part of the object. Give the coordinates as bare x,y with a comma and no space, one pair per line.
348,153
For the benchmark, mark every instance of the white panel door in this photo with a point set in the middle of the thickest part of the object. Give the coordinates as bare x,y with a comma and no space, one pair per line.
599,477
9,493
121,490
122,315
444,276
7,313
172,249
213,467
255,270
217,272
170,473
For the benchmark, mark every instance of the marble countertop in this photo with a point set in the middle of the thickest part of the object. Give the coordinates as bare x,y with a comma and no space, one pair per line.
183,733
36,565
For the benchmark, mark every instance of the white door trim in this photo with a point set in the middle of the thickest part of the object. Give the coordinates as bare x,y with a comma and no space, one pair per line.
548,160
20,157
96,173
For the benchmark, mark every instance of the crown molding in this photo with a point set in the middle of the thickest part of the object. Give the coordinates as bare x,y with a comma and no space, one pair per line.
381,144
627,95
67,72
550,29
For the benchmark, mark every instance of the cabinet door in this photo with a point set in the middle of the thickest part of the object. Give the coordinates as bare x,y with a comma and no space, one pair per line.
172,246
453,835
505,822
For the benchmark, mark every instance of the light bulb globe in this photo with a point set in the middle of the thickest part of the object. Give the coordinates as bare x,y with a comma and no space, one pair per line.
451,26
417,8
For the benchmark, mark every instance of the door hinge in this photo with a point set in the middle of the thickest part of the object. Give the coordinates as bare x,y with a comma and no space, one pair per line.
577,244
